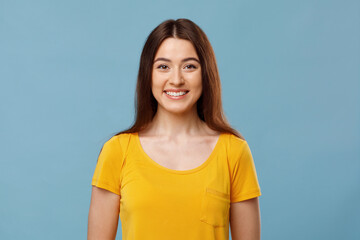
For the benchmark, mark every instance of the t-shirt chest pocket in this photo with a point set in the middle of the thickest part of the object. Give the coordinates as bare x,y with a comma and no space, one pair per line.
215,207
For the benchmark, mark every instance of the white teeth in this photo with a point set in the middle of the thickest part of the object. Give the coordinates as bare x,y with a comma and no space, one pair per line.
175,93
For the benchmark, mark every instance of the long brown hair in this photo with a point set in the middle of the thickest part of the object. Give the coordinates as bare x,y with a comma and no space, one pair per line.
209,105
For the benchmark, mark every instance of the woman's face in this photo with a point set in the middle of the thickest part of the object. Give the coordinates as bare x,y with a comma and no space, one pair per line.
176,76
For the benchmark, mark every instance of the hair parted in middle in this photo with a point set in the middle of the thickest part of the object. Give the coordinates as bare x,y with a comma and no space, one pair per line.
209,105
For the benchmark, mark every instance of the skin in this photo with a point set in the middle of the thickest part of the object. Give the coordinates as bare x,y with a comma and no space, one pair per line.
176,130
176,119
245,220
103,214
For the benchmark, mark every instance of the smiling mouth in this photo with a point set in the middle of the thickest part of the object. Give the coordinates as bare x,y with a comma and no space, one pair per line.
176,94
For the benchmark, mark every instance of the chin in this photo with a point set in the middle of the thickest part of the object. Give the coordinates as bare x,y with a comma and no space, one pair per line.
177,110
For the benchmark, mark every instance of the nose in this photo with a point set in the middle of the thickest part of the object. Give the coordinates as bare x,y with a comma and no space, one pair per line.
176,78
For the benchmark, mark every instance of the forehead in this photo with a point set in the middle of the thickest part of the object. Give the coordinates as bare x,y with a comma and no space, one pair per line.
176,49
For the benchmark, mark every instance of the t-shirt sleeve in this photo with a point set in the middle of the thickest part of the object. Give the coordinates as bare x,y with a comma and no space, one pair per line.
244,181
108,168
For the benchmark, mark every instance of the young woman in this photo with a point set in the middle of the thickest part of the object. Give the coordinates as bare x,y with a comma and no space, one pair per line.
181,171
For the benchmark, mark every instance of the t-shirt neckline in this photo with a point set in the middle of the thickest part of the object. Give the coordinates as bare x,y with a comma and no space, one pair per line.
198,168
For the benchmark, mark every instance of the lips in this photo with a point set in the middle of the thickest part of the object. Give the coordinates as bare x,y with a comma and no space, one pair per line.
176,90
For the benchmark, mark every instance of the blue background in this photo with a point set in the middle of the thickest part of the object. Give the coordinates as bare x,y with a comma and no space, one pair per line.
290,73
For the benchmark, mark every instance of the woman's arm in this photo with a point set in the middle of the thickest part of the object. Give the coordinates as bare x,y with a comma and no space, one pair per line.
103,214
245,220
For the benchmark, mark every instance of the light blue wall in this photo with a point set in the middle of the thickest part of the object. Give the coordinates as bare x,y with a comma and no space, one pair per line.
290,74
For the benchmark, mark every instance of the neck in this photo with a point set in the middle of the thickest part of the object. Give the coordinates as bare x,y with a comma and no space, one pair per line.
176,125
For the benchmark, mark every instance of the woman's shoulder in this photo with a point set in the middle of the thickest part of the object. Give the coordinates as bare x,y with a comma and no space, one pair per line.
237,148
234,139
123,137
120,140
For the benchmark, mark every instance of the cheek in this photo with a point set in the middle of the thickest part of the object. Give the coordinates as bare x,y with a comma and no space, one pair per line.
197,82
156,82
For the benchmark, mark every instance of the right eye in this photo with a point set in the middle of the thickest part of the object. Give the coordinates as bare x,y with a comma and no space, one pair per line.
162,66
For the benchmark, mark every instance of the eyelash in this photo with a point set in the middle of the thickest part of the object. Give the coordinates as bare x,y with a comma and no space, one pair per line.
166,66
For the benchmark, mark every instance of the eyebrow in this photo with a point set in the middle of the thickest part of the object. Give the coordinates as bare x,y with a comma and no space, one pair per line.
184,60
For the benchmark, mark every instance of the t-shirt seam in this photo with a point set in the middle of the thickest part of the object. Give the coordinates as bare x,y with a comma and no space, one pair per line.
242,196
99,183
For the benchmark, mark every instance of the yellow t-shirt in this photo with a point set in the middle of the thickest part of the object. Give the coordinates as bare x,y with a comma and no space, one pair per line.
161,203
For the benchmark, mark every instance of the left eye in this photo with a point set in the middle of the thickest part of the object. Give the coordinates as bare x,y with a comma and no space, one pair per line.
190,66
